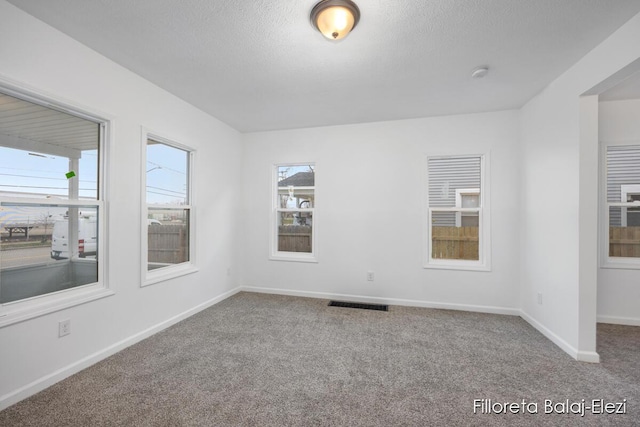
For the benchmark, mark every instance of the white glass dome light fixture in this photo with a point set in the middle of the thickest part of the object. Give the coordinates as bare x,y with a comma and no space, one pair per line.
335,18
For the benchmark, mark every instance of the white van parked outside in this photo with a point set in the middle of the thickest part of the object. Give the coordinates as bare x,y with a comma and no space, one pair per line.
87,238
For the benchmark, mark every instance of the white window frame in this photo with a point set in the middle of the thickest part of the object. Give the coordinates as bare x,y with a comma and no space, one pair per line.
484,219
275,254
28,308
607,261
184,268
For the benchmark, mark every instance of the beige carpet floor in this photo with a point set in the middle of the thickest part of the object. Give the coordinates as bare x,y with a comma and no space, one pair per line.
267,360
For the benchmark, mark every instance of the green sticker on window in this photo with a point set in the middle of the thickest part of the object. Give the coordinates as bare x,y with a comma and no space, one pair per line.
70,174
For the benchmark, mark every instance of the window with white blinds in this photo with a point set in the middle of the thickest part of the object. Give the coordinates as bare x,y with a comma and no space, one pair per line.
457,213
621,209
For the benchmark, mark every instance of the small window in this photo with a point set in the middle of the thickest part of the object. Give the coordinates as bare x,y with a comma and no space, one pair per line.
168,212
457,213
622,206
294,212
51,204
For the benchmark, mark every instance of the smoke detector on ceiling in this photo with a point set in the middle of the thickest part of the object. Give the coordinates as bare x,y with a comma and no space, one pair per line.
480,72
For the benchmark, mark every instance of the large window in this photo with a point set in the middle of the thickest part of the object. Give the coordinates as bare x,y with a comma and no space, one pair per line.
621,208
168,213
293,236
457,214
51,208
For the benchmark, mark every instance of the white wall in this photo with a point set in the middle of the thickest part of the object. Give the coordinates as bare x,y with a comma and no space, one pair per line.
370,183
34,55
370,196
619,290
559,201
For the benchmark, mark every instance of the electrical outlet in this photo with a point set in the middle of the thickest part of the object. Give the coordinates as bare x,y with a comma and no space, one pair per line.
64,328
370,276
228,271
540,298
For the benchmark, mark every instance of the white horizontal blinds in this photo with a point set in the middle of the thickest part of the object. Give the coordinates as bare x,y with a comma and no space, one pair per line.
623,169
446,175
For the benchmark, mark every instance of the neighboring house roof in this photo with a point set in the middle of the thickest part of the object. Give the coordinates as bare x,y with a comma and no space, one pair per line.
300,179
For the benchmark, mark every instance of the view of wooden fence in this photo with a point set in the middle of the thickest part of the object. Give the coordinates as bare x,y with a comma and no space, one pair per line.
455,243
294,238
624,242
168,244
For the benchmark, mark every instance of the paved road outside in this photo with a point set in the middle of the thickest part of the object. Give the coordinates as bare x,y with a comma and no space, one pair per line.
28,256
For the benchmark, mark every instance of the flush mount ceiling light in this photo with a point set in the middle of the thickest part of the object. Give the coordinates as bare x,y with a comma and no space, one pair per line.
335,18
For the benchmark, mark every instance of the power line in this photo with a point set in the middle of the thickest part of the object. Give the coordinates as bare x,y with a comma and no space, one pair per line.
163,194
40,177
30,170
166,189
159,166
48,188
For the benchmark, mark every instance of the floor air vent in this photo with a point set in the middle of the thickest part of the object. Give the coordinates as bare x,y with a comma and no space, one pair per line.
378,307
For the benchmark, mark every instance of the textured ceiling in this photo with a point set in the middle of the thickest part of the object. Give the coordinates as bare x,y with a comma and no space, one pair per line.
260,65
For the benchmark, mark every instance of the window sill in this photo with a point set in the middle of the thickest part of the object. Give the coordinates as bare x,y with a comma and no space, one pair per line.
294,258
461,267
627,264
168,273
21,311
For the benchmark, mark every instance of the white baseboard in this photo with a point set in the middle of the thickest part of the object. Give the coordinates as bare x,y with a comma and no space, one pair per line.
48,380
583,356
588,356
380,300
629,321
